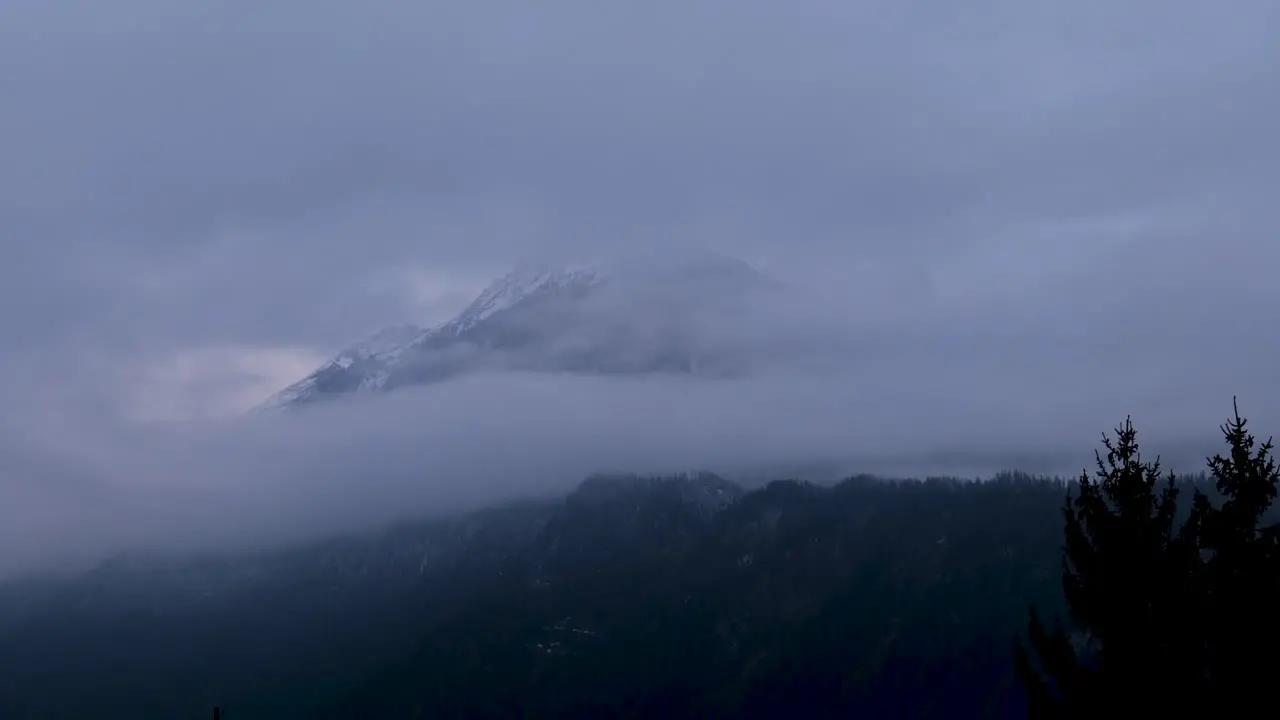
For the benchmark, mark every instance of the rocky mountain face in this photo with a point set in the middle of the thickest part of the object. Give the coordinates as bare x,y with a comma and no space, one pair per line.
633,316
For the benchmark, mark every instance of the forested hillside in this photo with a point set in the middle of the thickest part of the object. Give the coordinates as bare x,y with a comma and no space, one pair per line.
686,596
631,597
884,599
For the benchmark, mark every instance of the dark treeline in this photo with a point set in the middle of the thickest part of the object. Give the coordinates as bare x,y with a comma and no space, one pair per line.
1169,614
676,597
871,598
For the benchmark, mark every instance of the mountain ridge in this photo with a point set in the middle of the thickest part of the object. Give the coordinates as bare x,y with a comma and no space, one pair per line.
629,315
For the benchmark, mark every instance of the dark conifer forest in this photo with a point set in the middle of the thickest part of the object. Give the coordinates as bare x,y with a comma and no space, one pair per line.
1128,588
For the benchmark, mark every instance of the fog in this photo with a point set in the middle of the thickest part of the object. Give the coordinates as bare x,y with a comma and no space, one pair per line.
823,388
347,466
1018,222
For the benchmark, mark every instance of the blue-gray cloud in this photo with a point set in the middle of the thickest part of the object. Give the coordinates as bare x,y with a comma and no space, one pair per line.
1023,194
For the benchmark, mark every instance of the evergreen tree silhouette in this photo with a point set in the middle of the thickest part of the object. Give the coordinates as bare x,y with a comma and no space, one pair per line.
1242,592
1129,577
1169,618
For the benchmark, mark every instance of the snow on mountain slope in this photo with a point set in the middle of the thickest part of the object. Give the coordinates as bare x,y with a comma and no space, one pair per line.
371,359
520,284
633,315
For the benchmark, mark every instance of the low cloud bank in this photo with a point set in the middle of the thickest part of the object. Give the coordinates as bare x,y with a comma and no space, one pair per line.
353,465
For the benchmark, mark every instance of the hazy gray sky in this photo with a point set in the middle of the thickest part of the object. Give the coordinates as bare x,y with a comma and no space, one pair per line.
200,200
182,179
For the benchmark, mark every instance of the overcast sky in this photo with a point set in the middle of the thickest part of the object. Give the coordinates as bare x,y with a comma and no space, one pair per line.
199,201
193,185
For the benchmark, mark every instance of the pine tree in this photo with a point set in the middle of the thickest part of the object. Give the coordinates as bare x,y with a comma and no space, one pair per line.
1242,592
1172,621
1130,578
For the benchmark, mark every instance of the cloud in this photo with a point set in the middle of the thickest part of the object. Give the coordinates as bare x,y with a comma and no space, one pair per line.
1049,211
179,387
165,191
86,490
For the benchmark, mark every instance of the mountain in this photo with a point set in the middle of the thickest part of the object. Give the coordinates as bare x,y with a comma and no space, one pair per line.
674,597
672,314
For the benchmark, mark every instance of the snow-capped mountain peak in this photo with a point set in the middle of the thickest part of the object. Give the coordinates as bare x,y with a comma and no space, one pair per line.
619,316
524,282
